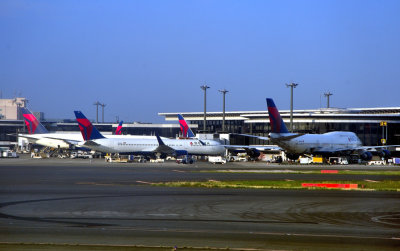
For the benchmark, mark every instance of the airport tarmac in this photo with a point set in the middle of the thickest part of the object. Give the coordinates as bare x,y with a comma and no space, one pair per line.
92,202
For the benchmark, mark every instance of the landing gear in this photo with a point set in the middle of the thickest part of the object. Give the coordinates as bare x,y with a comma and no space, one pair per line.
185,160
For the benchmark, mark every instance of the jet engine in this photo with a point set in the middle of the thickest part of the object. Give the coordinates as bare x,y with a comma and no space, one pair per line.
292,156
366,155
253,153
384,154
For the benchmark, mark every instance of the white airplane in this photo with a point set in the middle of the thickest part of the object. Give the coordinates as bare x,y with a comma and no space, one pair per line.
149,146
326,144
252,151
38,134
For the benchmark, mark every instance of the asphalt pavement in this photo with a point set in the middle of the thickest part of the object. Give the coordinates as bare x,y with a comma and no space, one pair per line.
93,202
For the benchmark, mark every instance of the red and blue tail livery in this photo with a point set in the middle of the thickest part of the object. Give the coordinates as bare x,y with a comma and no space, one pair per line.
89,132
119,128
33,125
275,119
186,132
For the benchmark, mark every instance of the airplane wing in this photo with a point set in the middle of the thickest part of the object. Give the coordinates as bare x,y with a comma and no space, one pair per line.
346,149
68,141
90,143
164,149
260,148
28,136
251,136
372,148
289,137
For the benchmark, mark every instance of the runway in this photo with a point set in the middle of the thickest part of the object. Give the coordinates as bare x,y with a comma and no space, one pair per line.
82,202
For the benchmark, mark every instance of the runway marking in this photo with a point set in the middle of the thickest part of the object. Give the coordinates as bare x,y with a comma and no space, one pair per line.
161,215
145,182
385,218
95,184
179,171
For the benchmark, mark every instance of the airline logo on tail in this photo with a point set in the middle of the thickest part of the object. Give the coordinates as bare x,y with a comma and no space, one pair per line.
32,123
119,129
88,131
186,132
275,119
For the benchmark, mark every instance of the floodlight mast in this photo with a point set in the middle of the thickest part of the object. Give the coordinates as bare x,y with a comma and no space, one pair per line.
327,95
292,85
204,88
102,112
223,108
97,103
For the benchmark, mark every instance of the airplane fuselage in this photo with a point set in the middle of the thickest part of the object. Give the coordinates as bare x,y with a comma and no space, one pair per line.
60,140
149,145
317,143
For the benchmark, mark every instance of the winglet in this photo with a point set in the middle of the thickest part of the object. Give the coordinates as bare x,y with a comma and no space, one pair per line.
275,119
89,132
118,131
186,132
33,125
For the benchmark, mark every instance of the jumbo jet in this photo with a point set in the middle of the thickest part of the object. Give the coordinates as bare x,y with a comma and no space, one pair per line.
150,146
326,144
38,134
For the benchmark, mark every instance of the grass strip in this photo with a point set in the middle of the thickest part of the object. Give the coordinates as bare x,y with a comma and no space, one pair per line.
100,247
349,172
385,185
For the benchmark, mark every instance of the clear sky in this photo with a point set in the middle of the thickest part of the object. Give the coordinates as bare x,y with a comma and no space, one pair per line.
145,57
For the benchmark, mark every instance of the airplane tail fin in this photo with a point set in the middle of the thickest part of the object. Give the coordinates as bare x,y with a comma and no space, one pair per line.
89,132
186,132
33,125
118,131
275,119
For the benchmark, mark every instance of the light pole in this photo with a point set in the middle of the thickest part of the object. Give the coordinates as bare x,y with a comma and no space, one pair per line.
102,112
223,108
292,85
205,87
97,103
327,95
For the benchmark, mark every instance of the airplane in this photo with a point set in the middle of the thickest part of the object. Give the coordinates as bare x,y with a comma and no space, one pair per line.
149,146
341,143
252,152
38,134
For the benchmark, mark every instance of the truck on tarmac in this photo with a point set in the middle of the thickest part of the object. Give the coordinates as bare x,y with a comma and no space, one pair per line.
216,160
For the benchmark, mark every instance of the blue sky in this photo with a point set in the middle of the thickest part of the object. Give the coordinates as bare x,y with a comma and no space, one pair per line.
145,57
